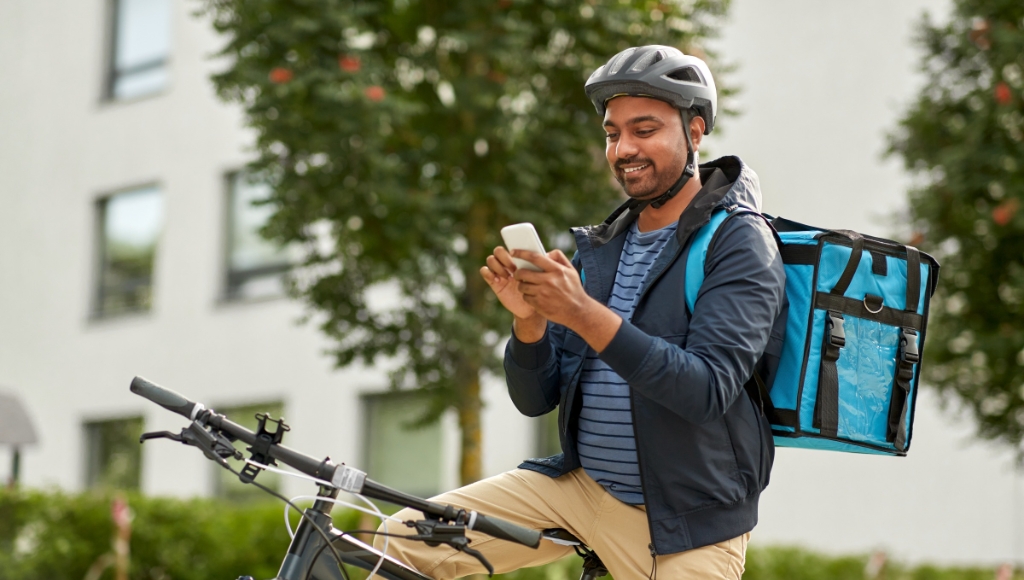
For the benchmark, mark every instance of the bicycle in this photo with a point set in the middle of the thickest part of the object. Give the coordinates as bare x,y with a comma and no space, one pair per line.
316,541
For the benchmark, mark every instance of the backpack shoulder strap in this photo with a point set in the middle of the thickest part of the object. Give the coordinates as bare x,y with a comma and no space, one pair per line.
703,242
698,254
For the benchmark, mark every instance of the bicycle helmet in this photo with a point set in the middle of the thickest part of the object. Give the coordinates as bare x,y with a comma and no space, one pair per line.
663,73
660,72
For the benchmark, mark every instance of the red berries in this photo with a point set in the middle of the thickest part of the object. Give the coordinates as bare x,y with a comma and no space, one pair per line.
1003,94
279,75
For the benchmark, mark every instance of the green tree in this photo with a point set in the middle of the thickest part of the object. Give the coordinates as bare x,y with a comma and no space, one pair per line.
963,139
399,137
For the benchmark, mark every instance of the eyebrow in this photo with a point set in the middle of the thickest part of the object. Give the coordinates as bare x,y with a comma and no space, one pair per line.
636,120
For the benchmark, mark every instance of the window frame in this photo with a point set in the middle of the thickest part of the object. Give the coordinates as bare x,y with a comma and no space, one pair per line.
365,451
91,474
231,279
112,74
99,253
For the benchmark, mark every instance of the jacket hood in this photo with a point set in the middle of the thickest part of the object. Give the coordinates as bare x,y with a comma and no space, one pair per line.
727,182
744,185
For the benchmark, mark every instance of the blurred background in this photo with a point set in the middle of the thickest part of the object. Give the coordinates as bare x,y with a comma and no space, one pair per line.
130,246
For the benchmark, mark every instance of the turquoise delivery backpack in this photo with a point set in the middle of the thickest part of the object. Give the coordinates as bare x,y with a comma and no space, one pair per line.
848,372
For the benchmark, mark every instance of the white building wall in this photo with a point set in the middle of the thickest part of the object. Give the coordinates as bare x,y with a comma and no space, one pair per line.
822,82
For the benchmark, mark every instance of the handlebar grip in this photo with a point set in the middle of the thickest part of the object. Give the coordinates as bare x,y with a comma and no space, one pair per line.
505,530
166,398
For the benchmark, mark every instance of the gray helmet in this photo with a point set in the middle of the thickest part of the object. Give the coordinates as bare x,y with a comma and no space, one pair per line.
660,72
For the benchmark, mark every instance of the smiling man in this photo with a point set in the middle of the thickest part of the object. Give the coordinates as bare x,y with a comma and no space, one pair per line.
664,452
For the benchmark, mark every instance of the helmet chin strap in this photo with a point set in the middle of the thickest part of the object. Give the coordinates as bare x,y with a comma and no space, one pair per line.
638,205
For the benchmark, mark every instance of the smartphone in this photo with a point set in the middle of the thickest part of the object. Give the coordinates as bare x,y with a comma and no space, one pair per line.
522,237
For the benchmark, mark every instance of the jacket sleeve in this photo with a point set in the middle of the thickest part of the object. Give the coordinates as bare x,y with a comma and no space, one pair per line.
532,373
742,294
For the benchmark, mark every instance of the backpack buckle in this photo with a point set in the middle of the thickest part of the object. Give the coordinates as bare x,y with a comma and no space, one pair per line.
908,346
834,333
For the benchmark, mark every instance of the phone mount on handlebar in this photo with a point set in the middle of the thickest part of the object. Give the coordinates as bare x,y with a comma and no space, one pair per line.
260,449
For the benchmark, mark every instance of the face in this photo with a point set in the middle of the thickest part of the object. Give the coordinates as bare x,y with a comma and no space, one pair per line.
646,146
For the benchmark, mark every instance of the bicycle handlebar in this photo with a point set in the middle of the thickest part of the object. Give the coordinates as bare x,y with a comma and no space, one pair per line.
326,469
499,528
166,398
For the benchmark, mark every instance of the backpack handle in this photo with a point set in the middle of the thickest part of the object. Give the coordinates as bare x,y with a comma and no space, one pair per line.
851,265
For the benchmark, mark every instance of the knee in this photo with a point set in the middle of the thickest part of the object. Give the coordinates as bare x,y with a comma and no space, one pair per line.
393,527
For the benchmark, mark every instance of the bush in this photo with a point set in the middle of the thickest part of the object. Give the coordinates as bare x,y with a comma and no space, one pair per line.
58,536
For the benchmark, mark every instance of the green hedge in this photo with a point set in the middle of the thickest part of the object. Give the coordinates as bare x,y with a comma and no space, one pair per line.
57,536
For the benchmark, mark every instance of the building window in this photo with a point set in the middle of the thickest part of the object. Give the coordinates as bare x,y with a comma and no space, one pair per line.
255,265
129,224
395,452
114,454
141,46
226,484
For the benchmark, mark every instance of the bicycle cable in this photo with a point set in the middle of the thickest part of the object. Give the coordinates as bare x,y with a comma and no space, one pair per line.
337,557
383,518
376,510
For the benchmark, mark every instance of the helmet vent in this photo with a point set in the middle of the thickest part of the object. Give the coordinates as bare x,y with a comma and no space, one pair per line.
616,64
686,74
647,60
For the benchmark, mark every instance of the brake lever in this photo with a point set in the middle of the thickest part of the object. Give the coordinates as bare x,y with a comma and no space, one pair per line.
160,435
434,533
480,557
215,446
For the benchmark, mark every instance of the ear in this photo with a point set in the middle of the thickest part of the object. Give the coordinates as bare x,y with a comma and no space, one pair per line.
697,130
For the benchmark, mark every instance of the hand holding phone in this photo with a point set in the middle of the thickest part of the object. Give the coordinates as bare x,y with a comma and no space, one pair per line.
522,237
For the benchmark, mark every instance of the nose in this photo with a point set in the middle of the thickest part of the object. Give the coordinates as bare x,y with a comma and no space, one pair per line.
626,147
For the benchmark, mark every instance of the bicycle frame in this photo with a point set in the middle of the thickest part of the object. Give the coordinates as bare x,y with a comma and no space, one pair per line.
310,555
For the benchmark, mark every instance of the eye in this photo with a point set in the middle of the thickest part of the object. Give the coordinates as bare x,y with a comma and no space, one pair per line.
611,136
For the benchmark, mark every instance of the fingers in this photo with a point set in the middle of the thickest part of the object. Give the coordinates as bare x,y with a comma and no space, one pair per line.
542,261
504,258
498,267
488,276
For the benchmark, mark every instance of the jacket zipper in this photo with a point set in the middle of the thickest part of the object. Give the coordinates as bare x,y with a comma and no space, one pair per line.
632,403
640,468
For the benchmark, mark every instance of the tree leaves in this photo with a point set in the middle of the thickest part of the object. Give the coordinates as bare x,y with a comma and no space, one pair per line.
400,136
963,139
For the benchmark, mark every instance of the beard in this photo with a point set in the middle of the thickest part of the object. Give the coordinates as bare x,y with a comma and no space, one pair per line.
652,181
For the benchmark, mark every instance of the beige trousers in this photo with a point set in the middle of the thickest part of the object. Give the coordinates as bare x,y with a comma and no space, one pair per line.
618,532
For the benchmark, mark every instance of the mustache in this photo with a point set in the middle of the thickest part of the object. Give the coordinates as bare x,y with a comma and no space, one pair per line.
621,162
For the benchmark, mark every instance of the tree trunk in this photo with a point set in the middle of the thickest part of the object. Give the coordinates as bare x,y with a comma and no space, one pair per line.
471,463
468,373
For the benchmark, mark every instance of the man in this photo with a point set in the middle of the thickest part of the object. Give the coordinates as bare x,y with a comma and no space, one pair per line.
664,453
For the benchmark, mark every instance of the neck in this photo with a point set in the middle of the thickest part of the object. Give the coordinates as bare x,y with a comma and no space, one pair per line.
654,218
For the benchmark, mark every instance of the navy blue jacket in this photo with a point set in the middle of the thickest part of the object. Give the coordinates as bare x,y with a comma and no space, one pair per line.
704,447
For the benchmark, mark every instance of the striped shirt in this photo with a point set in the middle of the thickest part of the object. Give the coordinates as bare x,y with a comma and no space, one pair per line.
606,443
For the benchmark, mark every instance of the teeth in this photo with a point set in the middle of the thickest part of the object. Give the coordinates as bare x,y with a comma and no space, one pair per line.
632,169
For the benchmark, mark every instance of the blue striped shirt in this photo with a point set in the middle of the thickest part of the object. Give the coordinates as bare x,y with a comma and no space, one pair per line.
606,443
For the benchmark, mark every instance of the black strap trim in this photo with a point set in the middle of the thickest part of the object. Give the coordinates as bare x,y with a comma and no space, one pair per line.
913,279
799,254
908,355
857,309
808,435
758,391
851,265
879,266
826,406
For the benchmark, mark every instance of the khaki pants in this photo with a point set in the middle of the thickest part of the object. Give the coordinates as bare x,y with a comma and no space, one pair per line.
616,531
